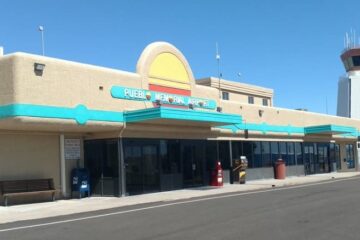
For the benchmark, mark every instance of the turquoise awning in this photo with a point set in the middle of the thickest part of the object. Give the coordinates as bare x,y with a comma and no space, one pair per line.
184,115
329,129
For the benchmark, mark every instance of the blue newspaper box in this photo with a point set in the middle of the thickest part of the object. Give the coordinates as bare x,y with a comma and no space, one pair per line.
80,181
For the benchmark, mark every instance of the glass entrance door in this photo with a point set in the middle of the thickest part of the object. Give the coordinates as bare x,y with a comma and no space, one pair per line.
193,158
309,158
142,166
110,169
150,169
323,158
101,159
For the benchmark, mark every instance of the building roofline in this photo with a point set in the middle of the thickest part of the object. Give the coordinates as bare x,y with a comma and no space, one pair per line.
59,60
236,86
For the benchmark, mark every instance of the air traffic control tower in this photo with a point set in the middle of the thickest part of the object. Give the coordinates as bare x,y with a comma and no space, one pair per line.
348,102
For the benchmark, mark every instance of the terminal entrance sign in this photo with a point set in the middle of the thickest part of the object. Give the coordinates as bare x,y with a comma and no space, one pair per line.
164,97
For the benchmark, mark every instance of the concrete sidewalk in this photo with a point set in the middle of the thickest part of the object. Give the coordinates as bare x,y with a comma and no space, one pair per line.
71,206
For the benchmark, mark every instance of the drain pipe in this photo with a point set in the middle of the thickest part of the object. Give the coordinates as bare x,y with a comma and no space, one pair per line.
62,166
122,179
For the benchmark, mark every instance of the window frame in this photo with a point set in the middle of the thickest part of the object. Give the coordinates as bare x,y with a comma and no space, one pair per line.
251,99
223,94
265,102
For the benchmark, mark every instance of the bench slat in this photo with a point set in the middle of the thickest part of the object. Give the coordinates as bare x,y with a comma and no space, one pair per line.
27,193
26,187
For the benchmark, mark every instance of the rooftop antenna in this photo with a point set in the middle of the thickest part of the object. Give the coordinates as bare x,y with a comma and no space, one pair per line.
239,75
354,39
41,29
217,56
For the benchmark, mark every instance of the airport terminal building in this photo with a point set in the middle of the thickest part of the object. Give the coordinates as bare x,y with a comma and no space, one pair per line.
156,129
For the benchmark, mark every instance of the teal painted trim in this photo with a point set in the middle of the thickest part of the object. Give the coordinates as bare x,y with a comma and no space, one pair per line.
335,129
81,114
137,94
142,115
181,114
265,128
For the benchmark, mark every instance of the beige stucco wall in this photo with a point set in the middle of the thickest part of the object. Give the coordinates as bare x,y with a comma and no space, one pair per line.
69,84
24,156
282,116
7,74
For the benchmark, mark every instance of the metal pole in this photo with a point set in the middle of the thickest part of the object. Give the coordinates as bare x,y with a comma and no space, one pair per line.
218,65
122,172
41,29
231,163
42,40
219,77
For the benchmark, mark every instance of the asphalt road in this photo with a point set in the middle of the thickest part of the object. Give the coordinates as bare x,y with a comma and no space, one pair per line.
324,211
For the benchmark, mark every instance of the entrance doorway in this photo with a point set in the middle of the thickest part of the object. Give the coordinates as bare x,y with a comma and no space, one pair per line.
142,166
323,158
193,159
309,158
101,158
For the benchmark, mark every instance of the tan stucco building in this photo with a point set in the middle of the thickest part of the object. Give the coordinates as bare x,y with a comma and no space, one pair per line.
156,129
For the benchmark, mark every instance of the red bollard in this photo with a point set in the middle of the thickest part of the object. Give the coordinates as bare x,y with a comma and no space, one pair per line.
217,176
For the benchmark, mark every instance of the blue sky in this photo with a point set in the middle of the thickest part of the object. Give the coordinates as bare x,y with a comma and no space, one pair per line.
289,45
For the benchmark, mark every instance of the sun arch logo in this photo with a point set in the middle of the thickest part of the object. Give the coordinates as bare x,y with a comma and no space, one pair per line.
169,79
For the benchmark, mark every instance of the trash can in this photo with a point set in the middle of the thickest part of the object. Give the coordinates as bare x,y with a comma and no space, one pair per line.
243,167
240,169
80,181
280,169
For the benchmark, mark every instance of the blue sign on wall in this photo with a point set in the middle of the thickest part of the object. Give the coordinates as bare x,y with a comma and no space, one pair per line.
166,98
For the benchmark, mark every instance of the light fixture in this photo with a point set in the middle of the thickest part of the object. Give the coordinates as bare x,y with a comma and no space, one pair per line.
246,133
158,102
261,112
39,68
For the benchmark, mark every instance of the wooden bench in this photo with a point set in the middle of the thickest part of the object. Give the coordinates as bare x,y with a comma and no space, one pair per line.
16,188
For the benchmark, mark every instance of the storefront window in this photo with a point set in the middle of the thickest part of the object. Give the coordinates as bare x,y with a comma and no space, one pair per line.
224,154
266,154
211,155
290,160
274,151
170,156
350,156
247,152
282,151
298,153
257,154
237,150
